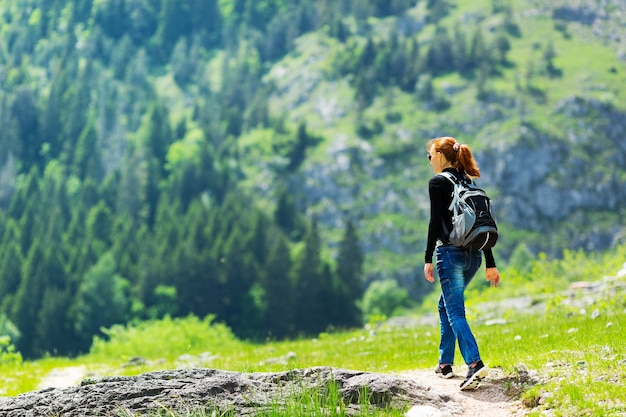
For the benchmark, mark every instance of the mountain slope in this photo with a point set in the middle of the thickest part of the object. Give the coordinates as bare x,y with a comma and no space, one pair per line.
547,128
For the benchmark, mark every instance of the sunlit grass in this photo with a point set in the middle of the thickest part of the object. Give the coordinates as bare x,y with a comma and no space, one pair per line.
580,354
575,344
576,347
23,377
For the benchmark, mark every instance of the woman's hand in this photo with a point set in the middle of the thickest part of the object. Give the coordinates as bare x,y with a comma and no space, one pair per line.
493,276
429,273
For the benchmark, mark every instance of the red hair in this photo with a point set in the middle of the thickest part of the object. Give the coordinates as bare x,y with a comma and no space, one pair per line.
458,154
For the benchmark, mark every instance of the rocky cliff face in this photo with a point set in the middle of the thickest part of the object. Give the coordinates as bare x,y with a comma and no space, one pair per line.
572,180
565,188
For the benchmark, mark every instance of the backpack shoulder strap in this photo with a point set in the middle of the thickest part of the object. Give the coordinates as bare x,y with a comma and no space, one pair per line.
456,185
465,182
450,176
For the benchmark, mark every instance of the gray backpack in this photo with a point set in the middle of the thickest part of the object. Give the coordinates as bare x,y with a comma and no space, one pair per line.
473,224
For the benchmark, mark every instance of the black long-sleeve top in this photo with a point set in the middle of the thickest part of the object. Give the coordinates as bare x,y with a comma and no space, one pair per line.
440,190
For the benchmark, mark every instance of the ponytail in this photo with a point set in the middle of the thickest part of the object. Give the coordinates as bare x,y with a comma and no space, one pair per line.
459,155
465,162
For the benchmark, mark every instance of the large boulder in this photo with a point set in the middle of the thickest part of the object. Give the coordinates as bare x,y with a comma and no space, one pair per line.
242,394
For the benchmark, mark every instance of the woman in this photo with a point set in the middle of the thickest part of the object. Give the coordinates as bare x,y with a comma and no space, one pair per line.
455,266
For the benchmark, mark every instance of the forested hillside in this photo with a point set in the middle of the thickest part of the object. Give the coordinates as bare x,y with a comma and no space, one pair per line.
263,161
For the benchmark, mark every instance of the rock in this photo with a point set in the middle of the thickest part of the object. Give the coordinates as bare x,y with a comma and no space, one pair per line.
136,361
224,391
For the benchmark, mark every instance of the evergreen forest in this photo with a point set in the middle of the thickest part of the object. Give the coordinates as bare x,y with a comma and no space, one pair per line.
261,161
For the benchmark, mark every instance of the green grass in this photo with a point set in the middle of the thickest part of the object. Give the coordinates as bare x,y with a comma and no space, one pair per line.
326,402
581,358
578,353
572,359
17,378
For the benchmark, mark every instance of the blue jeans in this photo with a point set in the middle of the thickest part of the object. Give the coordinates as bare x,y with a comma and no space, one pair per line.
456,268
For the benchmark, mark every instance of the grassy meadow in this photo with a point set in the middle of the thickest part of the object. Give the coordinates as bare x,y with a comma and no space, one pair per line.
574,344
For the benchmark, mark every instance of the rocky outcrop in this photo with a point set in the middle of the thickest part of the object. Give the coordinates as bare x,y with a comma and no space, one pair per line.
234,393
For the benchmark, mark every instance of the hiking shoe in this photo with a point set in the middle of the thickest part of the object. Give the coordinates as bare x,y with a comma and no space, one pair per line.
474,376
445,372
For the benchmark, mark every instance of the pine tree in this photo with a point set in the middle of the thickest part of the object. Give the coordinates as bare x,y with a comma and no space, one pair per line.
310,314
101,301
76,100
52,333
413,68
279,292
157,132
130,188
257,239
206,19
549,54
297,154
350,277
502,46
440,56
460,51
368,54
89,246
25,309
126,244
111,17
197,281
52,112
287,215
99,222
240,275
25,113
197,277
154,266
11,260
21,201
174,22
478,54
86,155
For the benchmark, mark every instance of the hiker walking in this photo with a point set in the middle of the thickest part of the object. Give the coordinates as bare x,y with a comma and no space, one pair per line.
456,266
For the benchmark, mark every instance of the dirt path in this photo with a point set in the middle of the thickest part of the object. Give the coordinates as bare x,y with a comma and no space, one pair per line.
64,377
489,400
